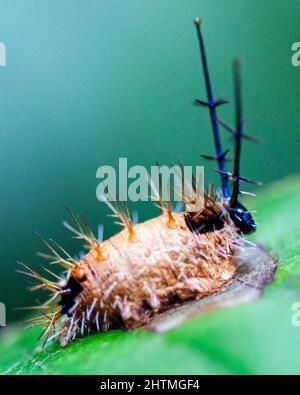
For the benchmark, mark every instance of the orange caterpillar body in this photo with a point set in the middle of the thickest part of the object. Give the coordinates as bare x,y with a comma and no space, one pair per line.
142,271
128,280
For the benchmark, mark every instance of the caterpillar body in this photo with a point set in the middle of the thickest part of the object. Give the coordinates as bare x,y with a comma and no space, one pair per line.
151,267
125,282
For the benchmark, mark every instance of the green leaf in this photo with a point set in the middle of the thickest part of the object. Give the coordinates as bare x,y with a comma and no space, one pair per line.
256,338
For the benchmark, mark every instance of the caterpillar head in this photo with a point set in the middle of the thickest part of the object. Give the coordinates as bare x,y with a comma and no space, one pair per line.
242,219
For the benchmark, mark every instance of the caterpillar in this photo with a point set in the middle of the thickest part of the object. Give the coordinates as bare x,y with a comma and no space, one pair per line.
148,270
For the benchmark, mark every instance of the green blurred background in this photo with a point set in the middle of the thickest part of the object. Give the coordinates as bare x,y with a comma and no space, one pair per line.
88,82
